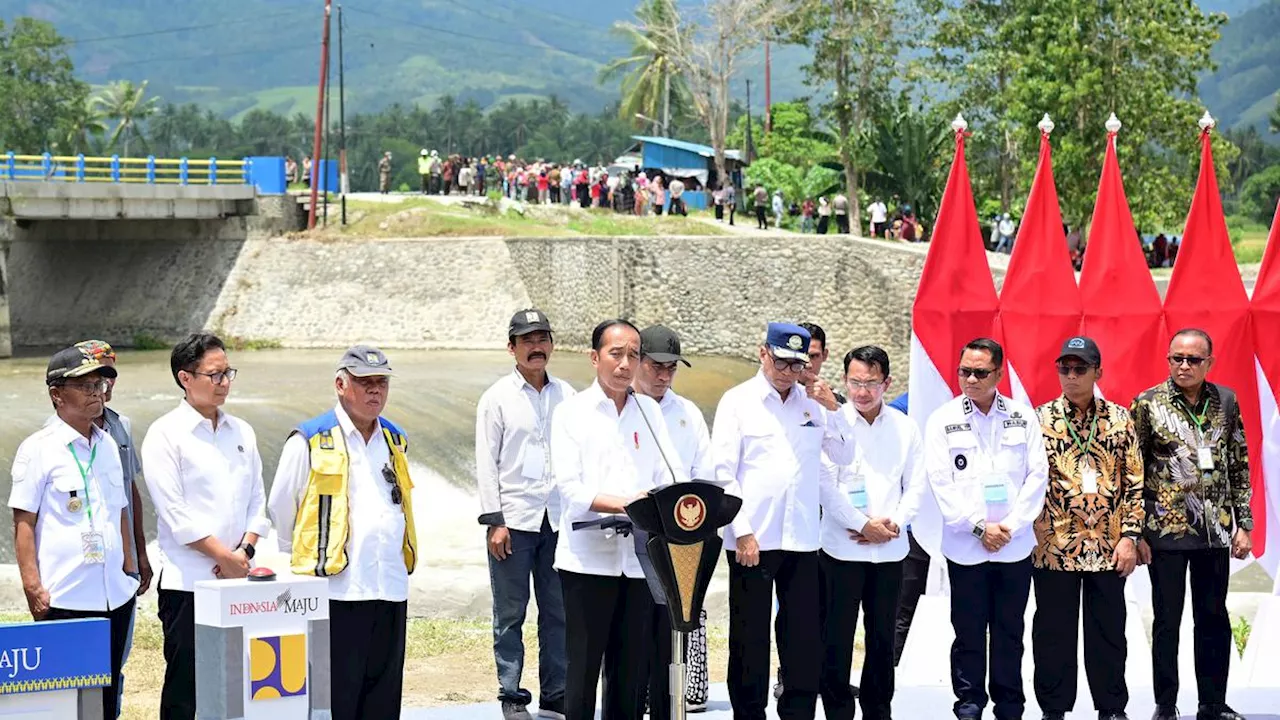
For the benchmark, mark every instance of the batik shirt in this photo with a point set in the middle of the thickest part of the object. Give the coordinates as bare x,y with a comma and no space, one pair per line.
1189,508
1078,531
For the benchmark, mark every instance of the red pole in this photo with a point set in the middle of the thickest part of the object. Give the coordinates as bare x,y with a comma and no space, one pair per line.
768,90
315,155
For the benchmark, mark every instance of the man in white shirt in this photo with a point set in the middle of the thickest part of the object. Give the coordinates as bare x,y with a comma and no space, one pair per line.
985,458
767,442
204,475
659,359
862,566
879,216
367,517
521,512
72,535
605,450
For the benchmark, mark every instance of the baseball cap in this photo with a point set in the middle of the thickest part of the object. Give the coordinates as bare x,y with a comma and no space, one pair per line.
1082,347
528,321
662,344
99,349
74,362
365,361
787,341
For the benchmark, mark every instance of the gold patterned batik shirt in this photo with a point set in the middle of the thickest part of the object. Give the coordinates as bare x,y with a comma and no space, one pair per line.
1079,530
1189,508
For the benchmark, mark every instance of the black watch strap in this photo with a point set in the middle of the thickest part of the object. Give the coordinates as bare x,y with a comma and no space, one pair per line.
248,550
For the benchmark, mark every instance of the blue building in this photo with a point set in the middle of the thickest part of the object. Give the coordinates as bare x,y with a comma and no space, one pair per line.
694,164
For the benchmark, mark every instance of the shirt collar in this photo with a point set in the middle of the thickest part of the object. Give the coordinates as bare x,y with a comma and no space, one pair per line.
596,393
857,416
193,417
968,407
1070,412
765,389
521,383
67,434
1175,392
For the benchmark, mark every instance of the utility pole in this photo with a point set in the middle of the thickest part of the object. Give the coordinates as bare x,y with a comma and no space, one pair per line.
328,145
342,121
768,89
315,153
666,104
750,150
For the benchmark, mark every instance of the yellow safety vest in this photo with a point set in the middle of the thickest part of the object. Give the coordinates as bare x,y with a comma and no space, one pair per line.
322,525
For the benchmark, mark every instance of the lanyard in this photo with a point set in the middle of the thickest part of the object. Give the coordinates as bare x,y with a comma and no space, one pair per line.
1084,446
540,402
983,445
84,475
1200,419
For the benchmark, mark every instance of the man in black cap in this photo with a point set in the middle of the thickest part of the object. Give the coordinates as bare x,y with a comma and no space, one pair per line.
366,514
1086,538
659,359
521,513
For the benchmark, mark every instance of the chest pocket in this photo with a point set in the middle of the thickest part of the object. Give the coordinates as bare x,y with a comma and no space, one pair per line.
963,448
1013,453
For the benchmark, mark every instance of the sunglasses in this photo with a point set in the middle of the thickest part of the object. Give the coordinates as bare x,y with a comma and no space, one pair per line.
390,476
979,373
1074,370
1191,360
794,366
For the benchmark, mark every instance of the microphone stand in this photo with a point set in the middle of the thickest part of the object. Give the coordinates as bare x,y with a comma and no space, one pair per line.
676,670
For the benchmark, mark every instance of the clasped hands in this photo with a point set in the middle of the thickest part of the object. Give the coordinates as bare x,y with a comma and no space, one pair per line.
876,531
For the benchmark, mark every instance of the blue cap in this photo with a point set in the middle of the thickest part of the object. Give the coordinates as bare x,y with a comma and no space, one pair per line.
788,341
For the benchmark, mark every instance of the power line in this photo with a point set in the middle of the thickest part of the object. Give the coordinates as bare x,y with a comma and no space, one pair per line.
69,42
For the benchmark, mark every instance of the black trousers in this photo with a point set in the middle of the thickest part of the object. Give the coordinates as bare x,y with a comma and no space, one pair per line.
988,597
796,578
120,619
1054,639
761,224
368,663
846,586
609,618
660,665
719,212
1210,571
177,612
915,577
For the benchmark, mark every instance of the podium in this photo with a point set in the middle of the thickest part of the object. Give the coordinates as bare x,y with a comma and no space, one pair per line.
262,649
54,670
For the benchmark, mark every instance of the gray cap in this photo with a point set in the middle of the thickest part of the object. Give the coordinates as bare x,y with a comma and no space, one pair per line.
365,361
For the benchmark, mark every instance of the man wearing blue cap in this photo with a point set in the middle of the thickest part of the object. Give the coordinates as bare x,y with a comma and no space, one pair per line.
767,442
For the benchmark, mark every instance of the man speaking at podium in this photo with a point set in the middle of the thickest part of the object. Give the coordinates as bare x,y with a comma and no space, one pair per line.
608,447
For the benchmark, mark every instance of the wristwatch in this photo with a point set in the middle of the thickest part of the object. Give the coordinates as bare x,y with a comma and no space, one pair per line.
248,550
979,529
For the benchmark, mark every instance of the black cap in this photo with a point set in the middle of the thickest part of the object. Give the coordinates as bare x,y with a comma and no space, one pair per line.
1084,348
75,362
662,344
365,361
528,321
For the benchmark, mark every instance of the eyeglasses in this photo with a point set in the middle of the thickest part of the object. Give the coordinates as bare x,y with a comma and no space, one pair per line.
873,386
979,373
218,377
1191,360
98,387
390,476
1074,370
793,366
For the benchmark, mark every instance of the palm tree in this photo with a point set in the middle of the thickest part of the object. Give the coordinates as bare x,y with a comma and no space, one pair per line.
128,105
648,72
85,124
1275,116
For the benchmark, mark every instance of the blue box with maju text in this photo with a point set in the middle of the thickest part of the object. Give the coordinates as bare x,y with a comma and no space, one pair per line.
54,655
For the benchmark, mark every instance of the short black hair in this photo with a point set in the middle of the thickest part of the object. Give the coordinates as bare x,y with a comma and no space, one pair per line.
816,333
187,354
988,345
1194,332
597,335
870,355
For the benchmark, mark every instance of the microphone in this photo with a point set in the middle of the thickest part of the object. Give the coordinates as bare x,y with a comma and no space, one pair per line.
640,406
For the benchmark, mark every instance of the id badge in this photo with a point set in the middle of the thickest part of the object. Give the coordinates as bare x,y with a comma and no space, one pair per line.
1088,479
858,494
1204,456
995,491
92,548
535,462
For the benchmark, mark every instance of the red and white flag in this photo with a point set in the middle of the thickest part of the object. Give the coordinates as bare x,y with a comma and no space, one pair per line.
1039,301
1122,310
1265,311
1206,292
955,303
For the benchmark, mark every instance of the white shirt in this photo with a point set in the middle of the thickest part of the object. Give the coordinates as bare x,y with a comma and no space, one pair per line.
203,483
513,452
986,468
1006,228
375,525
44,477
886,478
597,450
879,212
769,453
688,432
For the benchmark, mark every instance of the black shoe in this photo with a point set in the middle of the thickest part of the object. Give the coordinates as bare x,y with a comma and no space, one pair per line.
1112,716
1053,716
1218,712
1165,712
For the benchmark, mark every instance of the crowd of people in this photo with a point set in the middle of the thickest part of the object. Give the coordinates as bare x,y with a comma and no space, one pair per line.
1066,498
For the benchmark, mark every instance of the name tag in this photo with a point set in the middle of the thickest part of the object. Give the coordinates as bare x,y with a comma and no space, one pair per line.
92,548
1089,479
1204,456
535,461
858,493
994,490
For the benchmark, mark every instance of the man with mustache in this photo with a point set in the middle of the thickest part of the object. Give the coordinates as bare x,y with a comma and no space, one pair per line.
520,509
